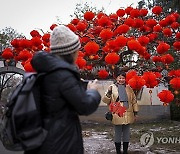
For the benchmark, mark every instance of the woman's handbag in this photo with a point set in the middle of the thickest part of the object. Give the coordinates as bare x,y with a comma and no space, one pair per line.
108,115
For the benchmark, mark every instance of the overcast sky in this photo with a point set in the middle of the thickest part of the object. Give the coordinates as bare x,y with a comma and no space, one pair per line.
26,15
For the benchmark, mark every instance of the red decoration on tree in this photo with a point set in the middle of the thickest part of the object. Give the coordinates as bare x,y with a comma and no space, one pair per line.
28,67
134,13
157,28
120,12
81,26
106,34
89,15
167,59
167,32
72,27
165,96
52,26
7,53
162,48
130,74
175,83
136,82
35,33
143,40
103,74
91,48
156,59
157,10
176,45
81,62
150,79
133,45
112,58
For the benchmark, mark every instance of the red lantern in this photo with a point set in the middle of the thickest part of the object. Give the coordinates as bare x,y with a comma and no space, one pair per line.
106,34
81,26
52,26
91,48
28,67
157,10
136,82
162,48
143,40
175,83
72,27
166,96
150,79
167,32
35,33
167,59
176,45
112,58
103,74
81,62
121,41
120,12
88,15
7,53
130,74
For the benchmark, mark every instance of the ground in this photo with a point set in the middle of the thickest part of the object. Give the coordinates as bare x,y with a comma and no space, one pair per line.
98,138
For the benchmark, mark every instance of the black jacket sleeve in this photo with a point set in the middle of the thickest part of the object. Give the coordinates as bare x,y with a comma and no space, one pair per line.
83,101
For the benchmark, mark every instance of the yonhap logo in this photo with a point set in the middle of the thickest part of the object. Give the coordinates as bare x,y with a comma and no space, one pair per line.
147,139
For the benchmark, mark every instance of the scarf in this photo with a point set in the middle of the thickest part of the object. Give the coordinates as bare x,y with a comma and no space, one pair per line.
123,95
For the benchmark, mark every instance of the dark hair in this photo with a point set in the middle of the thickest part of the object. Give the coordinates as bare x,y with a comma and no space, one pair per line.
122,73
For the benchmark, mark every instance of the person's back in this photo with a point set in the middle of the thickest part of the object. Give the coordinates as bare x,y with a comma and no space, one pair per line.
63,98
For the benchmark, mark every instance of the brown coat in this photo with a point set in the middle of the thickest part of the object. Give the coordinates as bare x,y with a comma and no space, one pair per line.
128,116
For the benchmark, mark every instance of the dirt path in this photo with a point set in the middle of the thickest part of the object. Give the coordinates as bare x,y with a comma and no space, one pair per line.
98,139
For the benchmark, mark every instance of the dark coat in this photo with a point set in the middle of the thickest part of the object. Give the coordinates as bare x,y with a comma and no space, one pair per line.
64,98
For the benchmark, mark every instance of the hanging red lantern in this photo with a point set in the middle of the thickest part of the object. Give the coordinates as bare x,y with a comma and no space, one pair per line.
112,58
103,74
120,41
89,15
176,45
35,33
91,48
162,48
27,66
53,26
72,27
136,82
166,96
81,62
150,79
120,12
175,83
143,40
106,34
7,53
130,74
157,10
81,26
167,59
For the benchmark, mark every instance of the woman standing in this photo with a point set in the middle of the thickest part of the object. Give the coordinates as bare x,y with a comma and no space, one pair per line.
123,94
63,95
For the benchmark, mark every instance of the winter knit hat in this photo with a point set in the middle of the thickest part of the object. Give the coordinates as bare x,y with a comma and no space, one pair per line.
64,41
